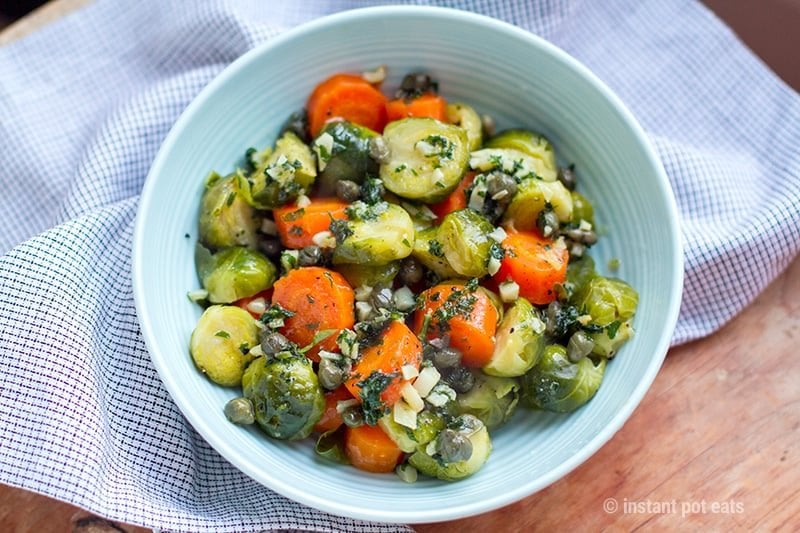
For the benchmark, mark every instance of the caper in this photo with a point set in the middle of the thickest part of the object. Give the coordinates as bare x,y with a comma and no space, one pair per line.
551,317
411,271
501,187
382,299
378,149
270,247
415,84
460,379
566,175
240,411
353,417
579,346
347,190
453,446
547,223
273,342
309,255
446,357
577,249
330,374
582,236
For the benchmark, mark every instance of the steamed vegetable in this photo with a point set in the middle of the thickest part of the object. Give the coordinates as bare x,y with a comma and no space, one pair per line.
427,158
319,299
458,451
288,172
530,143
373,234
346,97
466,242
428,250
343,153
226,219
369,448
607,300
466,117
298,227
535,264
221,342
532,197
519,343
234,273
492,399
556,384
285,393
424,106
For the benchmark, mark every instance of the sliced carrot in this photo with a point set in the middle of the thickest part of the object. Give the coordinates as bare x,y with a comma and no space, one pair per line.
320,299
331,418
348,97
427,105
298,225
536,264
398,346
244,303
469,318
456,200
370,449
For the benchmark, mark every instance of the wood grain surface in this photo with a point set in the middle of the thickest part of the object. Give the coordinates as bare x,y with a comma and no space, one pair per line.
714,445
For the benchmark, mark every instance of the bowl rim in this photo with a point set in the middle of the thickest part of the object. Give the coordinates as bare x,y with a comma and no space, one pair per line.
301,495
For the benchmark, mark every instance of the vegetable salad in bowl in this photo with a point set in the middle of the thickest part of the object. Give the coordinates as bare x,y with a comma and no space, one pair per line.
395,279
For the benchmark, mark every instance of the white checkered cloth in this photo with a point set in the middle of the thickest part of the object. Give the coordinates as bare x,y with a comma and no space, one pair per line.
84,106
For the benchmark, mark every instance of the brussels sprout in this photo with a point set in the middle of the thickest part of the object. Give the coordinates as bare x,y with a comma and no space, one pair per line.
607,300
608,341
235,273
427,158
369,275
556,384
288,171
492,399
581,209
428,251
533,196
580,272
331,446
511,161
466,244
373,234
429,461
226,219
286,395
533,144
221,342
343,153
519,341
466,117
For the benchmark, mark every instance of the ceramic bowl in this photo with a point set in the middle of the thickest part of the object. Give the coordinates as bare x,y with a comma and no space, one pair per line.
503,71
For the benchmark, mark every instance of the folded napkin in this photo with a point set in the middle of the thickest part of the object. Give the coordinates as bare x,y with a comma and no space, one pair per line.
84,106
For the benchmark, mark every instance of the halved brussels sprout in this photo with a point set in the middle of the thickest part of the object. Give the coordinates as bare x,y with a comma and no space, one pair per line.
286,395
429,459
579,272
511,161
234,273
492,399
429,424
226,219
221,341
287,172
607,300
343,153
373,234
369,275
466,244
532,197
466,117
608,341
533,144
582,209
519,341
428,251
427,158
556,384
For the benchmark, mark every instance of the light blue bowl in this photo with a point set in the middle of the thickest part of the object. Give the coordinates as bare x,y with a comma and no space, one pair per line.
518,79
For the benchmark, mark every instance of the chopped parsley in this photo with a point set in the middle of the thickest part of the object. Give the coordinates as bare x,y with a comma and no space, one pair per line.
435,248
371,389
275,315
443,147
460,302
222,333
341,230
611,329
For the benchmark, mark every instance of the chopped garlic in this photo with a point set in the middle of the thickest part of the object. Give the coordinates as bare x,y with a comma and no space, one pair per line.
197,295
363,311
494,266
324,239
409,372
584,319
498,235
375,76
257,306
440,395
509,291
331,356
303,201
427,379
404,415
412,397
256,351
585,226
403,299
323,147
362,293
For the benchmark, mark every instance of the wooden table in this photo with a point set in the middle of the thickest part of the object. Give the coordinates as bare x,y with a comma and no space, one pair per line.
714,445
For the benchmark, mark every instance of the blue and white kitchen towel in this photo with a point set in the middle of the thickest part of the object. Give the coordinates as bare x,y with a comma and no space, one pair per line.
84,106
